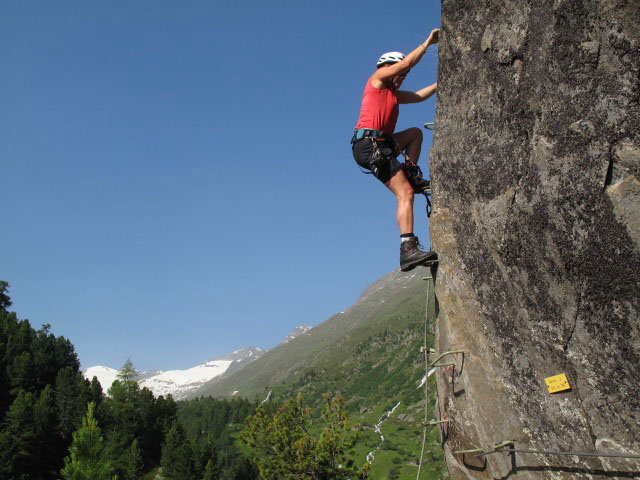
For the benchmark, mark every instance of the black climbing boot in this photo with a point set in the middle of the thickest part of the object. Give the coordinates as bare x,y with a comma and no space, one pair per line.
421,185
414,175
411,255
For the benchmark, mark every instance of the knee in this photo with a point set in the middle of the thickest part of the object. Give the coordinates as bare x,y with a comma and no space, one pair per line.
416,134
405,194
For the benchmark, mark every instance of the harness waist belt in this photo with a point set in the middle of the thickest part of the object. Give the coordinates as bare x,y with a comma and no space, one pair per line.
367,132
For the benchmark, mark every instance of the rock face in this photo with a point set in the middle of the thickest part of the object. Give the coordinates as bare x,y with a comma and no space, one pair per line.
536,176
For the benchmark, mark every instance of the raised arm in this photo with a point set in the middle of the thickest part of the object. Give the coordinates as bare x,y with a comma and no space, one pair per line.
384,74
416,97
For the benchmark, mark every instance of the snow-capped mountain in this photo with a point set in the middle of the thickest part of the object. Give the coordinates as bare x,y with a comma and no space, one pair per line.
301,330
179,382
105,375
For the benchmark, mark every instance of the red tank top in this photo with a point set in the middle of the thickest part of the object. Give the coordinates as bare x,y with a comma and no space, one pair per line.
379,109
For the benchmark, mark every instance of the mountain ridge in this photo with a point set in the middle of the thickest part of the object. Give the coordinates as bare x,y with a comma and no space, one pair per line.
179,383
288,359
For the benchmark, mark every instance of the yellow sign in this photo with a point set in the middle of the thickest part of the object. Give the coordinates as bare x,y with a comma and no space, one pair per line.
557,383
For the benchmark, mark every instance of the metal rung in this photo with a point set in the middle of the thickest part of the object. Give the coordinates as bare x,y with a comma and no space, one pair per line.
444,364
492,449
450,352
435,422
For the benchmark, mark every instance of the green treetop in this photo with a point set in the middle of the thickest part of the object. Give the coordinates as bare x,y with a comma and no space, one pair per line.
128,373
88,458
286,446
5,301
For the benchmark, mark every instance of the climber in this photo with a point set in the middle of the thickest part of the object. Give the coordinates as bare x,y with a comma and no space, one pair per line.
375,146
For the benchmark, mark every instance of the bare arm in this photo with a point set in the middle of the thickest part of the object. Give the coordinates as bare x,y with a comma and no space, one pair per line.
383,74
416,97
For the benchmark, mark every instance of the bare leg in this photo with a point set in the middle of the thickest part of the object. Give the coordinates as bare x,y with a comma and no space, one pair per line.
403,191
410,141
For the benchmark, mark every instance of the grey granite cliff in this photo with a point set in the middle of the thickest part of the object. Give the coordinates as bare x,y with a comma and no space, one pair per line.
536,176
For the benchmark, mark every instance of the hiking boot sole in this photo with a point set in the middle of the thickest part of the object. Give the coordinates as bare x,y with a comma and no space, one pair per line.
413,264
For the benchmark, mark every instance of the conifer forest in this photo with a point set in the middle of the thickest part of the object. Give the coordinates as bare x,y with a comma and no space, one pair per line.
55,424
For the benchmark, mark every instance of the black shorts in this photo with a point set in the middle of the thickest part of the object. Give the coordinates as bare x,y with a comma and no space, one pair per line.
383,165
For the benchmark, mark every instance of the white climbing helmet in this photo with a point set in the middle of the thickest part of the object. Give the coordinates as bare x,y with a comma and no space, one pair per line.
390,57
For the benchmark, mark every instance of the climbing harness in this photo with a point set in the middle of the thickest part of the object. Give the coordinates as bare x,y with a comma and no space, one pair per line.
378,139
370,133
379,159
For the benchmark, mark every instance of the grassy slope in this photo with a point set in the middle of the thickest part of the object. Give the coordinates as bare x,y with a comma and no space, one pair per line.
378,309
370,355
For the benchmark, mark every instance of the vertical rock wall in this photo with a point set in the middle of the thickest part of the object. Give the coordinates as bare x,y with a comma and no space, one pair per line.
536,175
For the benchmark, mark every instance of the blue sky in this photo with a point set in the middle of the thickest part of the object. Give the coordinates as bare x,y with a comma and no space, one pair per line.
177,176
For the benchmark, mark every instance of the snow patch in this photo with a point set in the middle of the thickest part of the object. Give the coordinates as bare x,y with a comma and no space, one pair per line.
298,331
105,375
424,379
180,383
185,380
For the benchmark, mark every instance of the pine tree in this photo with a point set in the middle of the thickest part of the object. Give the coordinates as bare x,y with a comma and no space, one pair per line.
130,413
17,438
123,416
172,441
48,445
88,459
177,455
5,301
72,396
286,447
95,391
210,472
128,373
134,463
32,436
204,451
